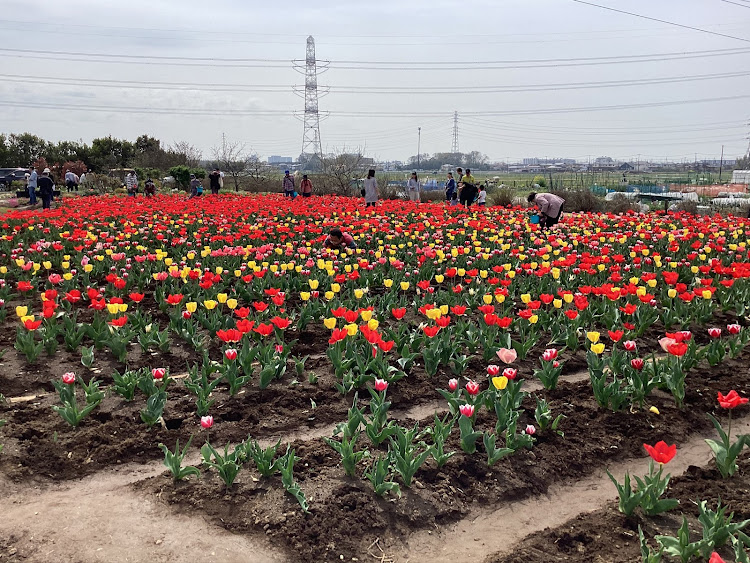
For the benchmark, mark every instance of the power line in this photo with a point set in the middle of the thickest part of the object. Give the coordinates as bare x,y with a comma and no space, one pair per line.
663,21
737,4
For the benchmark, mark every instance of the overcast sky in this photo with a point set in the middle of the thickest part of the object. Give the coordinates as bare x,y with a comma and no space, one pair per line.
376,104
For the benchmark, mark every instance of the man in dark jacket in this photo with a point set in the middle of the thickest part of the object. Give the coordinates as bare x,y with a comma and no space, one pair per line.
215,181
46,189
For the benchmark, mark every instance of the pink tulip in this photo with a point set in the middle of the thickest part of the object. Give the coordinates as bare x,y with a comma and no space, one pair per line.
510,373
279,348
629,345
230,354
530,429
734,329
159,373
506,355
493,370
549,354
472,387
714,332
207,421
453,384
69,378
467,410
380,384
637,363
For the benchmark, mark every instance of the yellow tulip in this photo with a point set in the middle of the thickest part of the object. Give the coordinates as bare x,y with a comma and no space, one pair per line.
500,298
487,299
67,276
168,261
593,336
557,303
122,307
27,318
706,294
191,306
500,382
219,270
525,298
22,310
330,323
65,265
313,284
444,309
351,329
47,264
533,319
304,295
232,303
439,278
87,268
329,295
433,314
222,297
568,298
404,285
358,293
373,324
597,348
366,315
672,293
387,283
210,304
335,287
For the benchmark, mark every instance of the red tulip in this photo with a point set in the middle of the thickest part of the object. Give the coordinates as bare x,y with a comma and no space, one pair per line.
629,345
242,312
186,314
715,558
615,335
32,325
264,329
431,331
229,335
453,384
661,452
337,335
678,349
398,312
244,326
493,370
280,323
637,363
158,373
549,354
731,400
472,388
734,329
174,299
230,354
380,384
136,297
207,421
510,373
467,410
69,378
260,306
386,346
458,310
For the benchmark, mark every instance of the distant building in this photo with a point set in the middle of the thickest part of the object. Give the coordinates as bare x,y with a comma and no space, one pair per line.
741,177
275,159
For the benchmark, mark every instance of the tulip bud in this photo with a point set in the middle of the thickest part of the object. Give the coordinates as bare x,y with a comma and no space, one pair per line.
472,388
207,421
158,373
453,384
714,332
629,345
510,373
467,410
530,429
69,378
734,329
230,354
493,370
381,384
549,354
637,363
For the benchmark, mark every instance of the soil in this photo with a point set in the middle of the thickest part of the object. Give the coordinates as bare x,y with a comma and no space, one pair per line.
608,535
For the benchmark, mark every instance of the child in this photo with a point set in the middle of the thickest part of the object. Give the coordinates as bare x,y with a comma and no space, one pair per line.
454,199
338,240
482,198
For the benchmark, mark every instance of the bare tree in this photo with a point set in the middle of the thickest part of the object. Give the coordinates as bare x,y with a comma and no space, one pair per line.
232,157
341,167
189,153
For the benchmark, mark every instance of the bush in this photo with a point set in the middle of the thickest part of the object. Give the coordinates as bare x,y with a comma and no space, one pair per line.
580,200
433,196
687,207
540,180
621,204
501,197
181,174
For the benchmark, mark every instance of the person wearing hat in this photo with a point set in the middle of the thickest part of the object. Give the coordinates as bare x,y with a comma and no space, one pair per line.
196,188
288,184
214,179
46,189
306,186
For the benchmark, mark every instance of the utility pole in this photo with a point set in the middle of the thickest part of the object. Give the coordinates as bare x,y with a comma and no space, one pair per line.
454,146
419,144
721,162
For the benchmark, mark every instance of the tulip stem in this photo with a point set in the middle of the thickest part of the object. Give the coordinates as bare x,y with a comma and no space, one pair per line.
729,432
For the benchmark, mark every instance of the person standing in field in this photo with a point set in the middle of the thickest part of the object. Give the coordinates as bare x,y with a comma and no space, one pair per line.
306,186
371,189
482,197
214,179
413,187
467,189
32,185
550,208
131,183
450,187
288,184
46,189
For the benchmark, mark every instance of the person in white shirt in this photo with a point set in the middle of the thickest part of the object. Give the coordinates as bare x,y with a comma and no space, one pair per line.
482,197
131,183
71,181
32,185
371,189
413,187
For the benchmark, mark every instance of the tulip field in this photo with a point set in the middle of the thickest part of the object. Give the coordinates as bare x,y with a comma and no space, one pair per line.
209,377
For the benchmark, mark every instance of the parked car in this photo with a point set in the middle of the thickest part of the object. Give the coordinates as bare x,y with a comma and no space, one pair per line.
8,175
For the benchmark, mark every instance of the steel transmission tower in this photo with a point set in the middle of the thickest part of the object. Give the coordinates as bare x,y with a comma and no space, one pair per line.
311,144
454,145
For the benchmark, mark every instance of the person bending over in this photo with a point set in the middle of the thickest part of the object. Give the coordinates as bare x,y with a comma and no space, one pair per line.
338,240
550,208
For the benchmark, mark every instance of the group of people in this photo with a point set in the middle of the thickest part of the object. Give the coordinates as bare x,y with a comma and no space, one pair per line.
132,187
290,190
44,184
466,190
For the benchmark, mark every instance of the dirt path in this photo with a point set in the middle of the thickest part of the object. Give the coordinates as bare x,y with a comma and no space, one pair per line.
487,532
100,519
